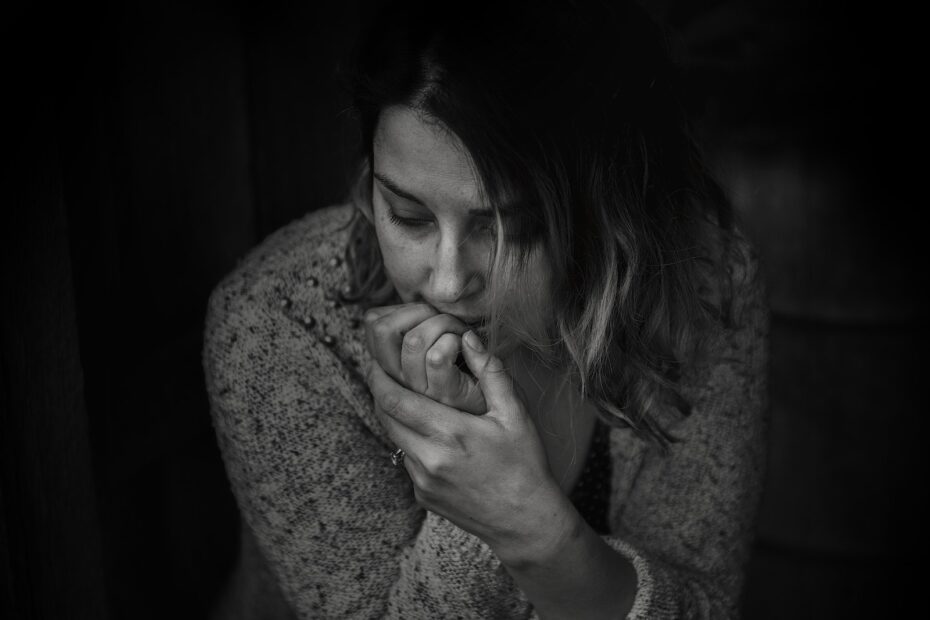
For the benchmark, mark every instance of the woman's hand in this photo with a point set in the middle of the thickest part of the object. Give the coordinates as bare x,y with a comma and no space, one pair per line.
418,347
487,473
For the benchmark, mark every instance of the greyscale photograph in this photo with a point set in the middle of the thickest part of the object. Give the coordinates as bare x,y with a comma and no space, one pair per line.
485,310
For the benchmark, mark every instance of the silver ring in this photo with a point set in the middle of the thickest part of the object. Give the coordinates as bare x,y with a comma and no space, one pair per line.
397,457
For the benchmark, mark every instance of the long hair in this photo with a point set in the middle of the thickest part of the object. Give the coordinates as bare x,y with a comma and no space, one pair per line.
571,116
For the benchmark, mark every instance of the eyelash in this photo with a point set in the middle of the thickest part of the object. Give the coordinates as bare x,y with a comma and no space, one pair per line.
408,222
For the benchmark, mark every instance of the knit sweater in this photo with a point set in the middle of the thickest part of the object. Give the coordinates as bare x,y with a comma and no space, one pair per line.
332,530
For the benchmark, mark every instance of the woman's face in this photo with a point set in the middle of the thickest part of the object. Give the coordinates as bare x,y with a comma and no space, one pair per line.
436,236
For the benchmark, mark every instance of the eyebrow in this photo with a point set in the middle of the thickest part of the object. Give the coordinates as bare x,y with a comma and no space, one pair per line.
395,189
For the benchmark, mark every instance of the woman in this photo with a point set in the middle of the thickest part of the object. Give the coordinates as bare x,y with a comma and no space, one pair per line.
523,372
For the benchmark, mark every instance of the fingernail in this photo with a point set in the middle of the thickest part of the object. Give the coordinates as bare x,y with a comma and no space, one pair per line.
473,341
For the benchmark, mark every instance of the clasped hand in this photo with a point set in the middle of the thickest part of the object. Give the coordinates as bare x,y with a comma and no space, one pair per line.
472,450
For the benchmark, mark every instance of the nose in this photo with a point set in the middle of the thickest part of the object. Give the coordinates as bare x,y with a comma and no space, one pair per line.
455,276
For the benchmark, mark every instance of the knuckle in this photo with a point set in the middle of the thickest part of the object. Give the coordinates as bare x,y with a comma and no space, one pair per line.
453,442
449,342
413,342
426,308
390,402
380,329
494,366
435,466
435,358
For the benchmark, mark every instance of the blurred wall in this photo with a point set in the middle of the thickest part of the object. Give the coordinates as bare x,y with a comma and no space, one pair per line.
180,134
800,117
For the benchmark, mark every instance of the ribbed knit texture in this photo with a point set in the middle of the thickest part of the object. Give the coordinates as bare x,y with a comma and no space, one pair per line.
332,530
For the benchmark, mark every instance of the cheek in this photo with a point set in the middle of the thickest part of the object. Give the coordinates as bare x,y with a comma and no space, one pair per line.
402,263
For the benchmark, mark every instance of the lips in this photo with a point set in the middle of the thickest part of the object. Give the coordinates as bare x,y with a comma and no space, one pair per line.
470,320
475,323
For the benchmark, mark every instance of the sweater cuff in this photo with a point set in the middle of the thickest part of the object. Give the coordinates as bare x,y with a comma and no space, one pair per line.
645,580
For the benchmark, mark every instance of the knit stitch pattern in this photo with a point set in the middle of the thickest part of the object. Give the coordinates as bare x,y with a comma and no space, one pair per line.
332,530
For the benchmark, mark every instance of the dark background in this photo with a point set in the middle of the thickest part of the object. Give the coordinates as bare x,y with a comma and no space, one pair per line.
153,143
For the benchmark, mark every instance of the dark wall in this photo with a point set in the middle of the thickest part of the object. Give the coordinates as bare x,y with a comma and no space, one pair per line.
157,142
161,141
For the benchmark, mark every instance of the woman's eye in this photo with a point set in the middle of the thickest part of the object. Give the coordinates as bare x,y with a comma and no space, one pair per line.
407,222
487,226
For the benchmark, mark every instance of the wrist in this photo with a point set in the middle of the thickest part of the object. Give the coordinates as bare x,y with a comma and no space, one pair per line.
549,526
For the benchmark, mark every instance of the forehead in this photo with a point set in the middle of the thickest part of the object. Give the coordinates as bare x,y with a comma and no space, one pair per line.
425,159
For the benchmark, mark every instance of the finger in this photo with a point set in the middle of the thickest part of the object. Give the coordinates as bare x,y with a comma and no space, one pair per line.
400,435
439,360
418,413
375,313
421,339
407,440
372,315
494,380
385,332
446,382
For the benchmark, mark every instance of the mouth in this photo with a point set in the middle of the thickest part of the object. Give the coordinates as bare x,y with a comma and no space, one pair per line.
474,321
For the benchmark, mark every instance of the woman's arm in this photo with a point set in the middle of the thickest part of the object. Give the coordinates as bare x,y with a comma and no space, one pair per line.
311,474
574,573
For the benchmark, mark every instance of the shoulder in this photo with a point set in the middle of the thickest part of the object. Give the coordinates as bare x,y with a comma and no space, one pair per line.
731,289
278,312
308,242
743,333
300,261
728,273
304,254
726,382
745,275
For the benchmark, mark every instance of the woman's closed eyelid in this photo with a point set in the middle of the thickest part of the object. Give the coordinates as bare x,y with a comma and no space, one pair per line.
416,214
407,220
483,223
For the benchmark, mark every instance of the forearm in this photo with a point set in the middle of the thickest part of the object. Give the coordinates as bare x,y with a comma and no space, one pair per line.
573,572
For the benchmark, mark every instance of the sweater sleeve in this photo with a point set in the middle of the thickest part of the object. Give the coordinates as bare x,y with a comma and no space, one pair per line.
312,478
686,518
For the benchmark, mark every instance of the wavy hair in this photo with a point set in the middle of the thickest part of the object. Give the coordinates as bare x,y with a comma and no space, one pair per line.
570,113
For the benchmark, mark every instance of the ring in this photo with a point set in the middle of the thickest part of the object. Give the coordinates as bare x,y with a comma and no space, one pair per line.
397,457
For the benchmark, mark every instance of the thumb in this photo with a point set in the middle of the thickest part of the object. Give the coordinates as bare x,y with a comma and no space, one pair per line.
493,378
471,396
